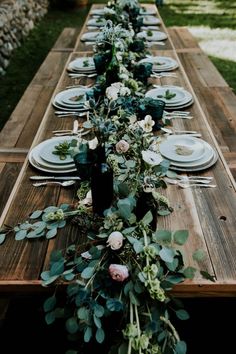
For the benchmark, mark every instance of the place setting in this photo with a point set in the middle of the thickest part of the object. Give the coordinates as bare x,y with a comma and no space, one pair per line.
71,100
90,36
82,65
160,63
175,97
188,153
53,156
150,20
96,22
152,35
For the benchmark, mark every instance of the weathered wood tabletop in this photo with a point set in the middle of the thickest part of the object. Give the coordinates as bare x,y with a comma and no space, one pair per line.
208,214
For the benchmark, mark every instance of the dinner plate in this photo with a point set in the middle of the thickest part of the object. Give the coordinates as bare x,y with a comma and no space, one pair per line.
182,148
82,64
161,63
97,12
182,96
197,168
68,108
89,36
151,20
156,35
97,22
36,160
46,152
74,97
145,11
207,156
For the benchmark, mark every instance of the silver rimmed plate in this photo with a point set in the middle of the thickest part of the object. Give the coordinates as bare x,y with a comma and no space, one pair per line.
182,148
90,36
151,20
181,96
47,148
82,64
152,35
145,11
97,22
161,63
201,167
36,160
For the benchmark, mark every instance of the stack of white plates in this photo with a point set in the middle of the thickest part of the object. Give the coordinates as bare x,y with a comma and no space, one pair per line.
161,63
150,20
73,100
83,65
90,36
99,12
42,158
153,36
96,22
145,11
188,153
181,98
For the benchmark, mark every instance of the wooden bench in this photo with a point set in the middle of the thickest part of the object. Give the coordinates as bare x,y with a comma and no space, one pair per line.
19,131
216,97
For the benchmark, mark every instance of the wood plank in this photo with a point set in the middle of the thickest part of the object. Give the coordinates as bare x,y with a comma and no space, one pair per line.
200,70
183,39
8,175
13,155
66,40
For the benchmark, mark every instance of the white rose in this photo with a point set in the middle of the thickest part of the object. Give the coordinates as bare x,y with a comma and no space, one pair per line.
93,143
112,93
115,240
124,91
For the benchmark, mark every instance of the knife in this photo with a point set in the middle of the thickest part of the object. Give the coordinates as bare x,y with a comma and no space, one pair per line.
63,178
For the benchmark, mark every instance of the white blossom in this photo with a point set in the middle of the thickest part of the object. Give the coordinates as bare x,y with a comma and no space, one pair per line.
151,157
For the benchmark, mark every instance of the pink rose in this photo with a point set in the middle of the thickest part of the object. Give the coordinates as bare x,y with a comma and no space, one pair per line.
122,146
118,272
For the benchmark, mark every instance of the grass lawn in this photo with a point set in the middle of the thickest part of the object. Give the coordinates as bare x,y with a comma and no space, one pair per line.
27,59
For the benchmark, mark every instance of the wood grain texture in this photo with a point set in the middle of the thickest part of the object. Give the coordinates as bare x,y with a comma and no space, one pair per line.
67,39
183,39
209,215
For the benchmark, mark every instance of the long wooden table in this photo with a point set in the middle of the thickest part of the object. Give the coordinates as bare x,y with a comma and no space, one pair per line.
208,214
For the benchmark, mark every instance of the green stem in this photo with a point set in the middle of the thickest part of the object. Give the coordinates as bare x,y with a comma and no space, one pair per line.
169,324
138,325
131,321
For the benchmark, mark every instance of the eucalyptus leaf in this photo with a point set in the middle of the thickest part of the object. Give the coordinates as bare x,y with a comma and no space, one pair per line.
162,235
51,233
2,238
87,272
64,206
50,280
83,313
133,298
56,255
180,237
199,255
182,314
45,275
189,272
100,335
50,317
72,325
138,247
50,209
49,304
24,226
32,234
97,321
88,334
20,235
173,265
167,254
57,268
36,214
98,310
164,212
147,219
181,347
114,305
87,125
69,277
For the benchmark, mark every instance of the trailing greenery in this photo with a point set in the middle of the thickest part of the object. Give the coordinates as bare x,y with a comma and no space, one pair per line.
36,46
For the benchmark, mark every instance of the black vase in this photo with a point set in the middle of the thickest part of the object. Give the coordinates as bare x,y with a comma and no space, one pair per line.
101,183
146,203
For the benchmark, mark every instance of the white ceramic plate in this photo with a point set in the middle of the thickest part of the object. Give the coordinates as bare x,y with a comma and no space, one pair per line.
63,107
197,168
161,63
89,36
145,11
182,96
47,148
195,147
97,22
151,20
207,156
70,96
78,64
97,12
156,35
36,161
